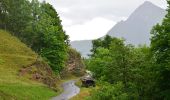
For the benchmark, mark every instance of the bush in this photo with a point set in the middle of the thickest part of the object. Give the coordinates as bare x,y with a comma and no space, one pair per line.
109,92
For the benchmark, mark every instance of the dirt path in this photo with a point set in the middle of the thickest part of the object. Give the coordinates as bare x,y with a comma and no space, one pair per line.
70,90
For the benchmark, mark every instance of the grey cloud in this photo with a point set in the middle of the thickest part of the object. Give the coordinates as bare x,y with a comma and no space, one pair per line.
83,10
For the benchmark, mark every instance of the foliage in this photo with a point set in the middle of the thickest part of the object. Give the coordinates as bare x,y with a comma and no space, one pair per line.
109,92
105,43
54,48
109,62
15,55
160,46
99,62
39,26
123,63
15,15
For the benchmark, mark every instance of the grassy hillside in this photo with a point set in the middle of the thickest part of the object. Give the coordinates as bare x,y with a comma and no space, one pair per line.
13,56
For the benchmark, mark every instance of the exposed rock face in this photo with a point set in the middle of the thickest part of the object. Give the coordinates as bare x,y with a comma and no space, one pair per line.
40,71
74,64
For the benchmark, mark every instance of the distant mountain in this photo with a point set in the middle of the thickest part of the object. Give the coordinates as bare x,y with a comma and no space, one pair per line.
135,30
82,46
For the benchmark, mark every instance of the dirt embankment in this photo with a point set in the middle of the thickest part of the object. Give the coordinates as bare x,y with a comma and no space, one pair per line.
41,72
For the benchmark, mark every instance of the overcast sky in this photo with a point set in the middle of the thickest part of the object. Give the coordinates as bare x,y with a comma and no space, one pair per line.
91,19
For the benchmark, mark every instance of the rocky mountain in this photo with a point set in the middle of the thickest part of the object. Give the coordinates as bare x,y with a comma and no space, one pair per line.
83,47
135,30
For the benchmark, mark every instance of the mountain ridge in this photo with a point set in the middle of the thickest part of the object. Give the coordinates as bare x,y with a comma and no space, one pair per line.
135,30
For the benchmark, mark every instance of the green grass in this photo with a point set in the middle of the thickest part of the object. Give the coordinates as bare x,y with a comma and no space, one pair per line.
25,92
13,56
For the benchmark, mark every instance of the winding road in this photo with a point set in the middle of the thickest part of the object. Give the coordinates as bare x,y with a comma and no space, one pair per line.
70,90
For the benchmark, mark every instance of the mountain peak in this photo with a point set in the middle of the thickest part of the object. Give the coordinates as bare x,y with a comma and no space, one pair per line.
147,8
135,30
148,4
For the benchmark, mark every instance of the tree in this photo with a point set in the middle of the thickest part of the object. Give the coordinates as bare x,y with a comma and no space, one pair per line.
18,14
32,34
54,46
39,26
142,79
160,46
121,61
99,64
105,43
113,61
3,14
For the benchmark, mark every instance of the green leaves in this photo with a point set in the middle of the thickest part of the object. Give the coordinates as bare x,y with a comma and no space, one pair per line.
16,14
160,46
39,26
99,62
109,91
53,48
126,69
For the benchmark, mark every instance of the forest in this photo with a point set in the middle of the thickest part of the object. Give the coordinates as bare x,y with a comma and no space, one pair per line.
122,71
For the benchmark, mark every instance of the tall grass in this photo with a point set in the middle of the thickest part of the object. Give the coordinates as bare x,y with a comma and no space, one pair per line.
13,56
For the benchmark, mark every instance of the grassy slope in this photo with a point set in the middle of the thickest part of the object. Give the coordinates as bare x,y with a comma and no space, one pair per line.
13,56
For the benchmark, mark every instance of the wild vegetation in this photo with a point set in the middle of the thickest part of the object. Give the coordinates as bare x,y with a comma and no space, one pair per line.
14,55
39,26
27,74
122,71
125,72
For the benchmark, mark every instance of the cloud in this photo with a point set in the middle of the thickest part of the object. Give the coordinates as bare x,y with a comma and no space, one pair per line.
89,19
84,10
92,29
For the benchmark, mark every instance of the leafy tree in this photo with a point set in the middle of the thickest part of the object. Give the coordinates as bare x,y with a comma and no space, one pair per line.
100,63
105,43
142,79
31,35
39,26
123,63
109,91
54,47
160,45
15,15
111,62
3,14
